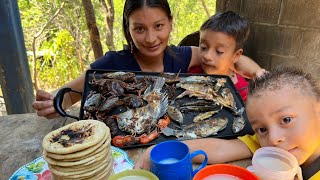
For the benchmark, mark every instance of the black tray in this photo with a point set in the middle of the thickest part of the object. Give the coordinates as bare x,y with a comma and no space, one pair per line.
188,117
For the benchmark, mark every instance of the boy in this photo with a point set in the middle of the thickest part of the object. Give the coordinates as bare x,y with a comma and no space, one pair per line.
222,37
283,108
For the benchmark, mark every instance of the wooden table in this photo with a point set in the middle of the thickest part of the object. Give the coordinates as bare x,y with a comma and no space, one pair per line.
21,138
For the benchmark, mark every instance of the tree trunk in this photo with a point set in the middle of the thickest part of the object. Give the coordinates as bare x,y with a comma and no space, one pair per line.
77,37
205,8
93,29
109,12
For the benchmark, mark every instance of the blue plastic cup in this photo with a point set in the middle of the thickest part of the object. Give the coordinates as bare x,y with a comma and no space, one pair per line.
172,160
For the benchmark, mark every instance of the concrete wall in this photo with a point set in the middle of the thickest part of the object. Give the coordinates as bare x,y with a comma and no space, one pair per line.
282,31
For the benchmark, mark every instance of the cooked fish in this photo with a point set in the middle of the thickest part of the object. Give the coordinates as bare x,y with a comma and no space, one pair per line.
228,97
200,129
205,115
220,83
122,76
175,114
199,88
152,94
197,80
199,95
238,124
93,101
198,103
198,108
171,77
108,104
143,119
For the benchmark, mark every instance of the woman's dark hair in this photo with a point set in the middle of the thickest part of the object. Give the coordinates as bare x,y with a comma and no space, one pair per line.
231,24
282,76
131,5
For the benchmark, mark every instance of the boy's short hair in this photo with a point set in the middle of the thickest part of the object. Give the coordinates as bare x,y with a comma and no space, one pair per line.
231,24
283,76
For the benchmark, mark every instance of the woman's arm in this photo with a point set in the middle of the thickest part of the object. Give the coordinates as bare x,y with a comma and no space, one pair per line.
44,100
72,97
195,58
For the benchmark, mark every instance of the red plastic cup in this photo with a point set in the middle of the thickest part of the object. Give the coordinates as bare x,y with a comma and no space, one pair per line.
225,169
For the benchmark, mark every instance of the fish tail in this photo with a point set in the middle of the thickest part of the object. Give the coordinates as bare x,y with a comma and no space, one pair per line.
159,84
163,104
147,91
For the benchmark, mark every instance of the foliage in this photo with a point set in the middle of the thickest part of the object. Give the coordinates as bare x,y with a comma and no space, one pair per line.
61,45
188,16
66,40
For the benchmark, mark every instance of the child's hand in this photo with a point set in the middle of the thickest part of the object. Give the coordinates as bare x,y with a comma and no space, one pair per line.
144,160
259,73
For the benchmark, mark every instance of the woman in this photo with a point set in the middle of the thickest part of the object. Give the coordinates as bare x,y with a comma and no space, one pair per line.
147,25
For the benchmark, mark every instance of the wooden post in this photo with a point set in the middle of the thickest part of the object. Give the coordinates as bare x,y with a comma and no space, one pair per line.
15,76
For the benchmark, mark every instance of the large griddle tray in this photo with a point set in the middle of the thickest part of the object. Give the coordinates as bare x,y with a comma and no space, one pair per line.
188,117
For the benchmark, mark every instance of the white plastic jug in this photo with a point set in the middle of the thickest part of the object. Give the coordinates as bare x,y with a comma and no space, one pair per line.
270,163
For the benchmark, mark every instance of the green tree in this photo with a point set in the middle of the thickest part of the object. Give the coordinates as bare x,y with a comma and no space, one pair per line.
188,17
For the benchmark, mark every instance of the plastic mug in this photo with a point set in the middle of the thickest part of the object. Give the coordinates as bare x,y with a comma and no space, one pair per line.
271,163
172,160
224,171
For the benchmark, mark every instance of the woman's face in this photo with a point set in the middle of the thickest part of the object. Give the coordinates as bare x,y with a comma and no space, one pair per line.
150,29
287,119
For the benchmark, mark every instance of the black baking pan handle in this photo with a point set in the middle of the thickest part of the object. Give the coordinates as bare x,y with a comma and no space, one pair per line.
58,99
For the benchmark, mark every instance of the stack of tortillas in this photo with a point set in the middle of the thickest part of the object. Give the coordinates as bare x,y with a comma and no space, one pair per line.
80,150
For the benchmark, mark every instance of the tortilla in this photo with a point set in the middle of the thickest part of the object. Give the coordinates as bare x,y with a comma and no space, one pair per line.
104,176
89,160
96,171
105,146
105,143
69,172
75,137
81,167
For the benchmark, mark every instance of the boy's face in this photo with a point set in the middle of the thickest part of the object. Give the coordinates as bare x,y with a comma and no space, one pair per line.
217,52
289,120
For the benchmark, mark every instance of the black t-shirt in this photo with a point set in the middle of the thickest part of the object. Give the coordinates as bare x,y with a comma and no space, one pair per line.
176,58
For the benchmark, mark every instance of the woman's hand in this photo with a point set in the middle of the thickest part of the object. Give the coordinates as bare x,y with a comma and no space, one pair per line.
44,105
144,160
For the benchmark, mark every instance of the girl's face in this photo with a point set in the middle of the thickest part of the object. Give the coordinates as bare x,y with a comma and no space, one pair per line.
217,52
150,29
289,120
